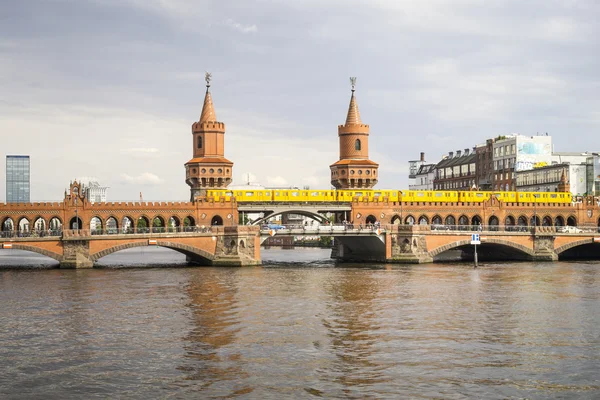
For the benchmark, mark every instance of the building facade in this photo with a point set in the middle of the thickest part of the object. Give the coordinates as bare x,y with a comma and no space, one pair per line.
423,178
515,153
457,171
484,165
18,178
593,174
548,178
354,170
95,193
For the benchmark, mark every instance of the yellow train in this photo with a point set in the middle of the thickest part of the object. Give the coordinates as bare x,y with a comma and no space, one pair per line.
420,196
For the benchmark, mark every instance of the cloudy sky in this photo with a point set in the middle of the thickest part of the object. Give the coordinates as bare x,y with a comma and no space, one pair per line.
109,88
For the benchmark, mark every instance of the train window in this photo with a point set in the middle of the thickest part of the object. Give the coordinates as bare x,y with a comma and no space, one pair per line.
249,194
421,194
553,196
228,194
267,193
314,194
376,194
276,193
479,194
295,194
358,194
438,194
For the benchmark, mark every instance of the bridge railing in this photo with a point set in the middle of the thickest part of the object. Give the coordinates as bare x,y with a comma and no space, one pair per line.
32,234
323,228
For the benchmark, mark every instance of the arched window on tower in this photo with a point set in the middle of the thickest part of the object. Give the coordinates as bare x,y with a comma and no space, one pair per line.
357,144
199,142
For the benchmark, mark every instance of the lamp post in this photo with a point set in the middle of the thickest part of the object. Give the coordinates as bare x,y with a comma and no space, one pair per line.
76,215
231,200
534,213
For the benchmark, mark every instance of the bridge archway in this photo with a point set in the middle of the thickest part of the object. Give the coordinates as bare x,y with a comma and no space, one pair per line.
423,220
23,225
33,249
450,220
547,221
476,220
75,223
158,224
463,221
96,225
127,225
410,220
580,249
522,221
189,221
535,221
571,221
39,225
598,224
143,224
174,223
436,220
216,220
559,221
315,216
370,219
509,221
200,255
55,224
396,220
8,225
518,250
112,226
493,222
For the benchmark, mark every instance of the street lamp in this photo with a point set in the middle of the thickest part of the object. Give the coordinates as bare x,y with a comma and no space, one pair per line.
534,212
231,200
76,214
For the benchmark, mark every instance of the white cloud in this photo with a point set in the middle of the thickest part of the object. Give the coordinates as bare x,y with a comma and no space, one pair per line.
239,27
145,178
276,181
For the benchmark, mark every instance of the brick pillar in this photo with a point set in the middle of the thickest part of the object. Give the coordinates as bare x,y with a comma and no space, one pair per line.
543,247
237,247
76,254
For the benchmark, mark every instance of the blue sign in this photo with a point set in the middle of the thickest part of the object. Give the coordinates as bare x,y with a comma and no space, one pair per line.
475,237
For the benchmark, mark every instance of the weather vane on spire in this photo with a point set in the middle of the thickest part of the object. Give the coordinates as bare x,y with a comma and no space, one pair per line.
353,82
207,78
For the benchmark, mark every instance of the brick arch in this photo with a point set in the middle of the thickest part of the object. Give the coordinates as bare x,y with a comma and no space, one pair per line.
576,243
315,216
182,248
501,242
44,252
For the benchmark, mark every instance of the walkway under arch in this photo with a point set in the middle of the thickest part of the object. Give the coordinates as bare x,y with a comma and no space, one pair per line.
181,248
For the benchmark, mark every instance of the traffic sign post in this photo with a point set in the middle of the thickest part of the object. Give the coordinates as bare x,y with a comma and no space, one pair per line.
475,241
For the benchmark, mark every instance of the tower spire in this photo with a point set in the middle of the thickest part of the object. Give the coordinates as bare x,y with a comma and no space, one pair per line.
208,169
353,117
354,169
208,110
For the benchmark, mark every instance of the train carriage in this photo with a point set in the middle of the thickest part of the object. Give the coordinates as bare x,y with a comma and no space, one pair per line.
429,196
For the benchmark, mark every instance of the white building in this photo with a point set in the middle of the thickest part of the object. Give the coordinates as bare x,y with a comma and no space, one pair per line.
547,178
423,179
95,193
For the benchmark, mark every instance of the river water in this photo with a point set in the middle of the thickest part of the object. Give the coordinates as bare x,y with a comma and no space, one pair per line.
297,327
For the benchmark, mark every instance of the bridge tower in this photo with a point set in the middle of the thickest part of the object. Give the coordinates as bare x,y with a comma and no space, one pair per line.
564,185
354,170
208,169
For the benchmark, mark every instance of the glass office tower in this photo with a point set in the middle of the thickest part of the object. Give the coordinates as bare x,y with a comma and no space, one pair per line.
17,179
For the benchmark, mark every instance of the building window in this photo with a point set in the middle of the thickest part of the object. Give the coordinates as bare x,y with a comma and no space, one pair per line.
357,144
199,142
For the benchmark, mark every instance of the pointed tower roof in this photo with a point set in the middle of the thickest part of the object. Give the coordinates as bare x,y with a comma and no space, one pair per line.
208,110
563,177
353,117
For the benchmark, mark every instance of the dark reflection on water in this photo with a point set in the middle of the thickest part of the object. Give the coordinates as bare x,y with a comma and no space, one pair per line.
299,327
